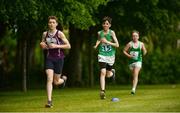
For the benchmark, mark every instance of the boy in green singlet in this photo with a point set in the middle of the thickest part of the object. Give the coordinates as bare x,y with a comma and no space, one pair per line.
107,44
134,50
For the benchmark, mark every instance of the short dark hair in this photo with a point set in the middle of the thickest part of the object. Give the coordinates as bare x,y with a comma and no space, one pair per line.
107,18
135,31
53,17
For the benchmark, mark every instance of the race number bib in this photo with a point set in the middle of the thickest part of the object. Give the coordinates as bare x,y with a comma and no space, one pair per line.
134,54
106,48
51,40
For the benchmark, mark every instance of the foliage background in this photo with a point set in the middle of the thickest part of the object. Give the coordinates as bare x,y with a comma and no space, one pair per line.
22,23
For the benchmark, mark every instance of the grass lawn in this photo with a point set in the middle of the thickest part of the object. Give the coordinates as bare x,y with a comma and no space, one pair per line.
149,98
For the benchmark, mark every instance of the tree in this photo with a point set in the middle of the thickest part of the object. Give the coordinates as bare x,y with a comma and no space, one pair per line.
22,17
28,18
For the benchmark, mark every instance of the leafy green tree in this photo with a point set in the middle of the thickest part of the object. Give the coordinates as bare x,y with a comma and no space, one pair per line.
22,17
28,19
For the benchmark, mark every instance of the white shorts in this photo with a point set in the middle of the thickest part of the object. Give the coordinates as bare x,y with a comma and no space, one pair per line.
107,59
135,64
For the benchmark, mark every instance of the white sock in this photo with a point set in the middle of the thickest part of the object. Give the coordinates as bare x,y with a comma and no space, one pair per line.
134,89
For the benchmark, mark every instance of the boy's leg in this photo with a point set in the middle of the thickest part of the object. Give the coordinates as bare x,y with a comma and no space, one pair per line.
102,83
102,79
49,86
135,68
110,72
135,74
58,79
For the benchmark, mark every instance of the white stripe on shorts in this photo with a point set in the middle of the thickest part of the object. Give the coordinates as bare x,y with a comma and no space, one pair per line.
135,64
107,59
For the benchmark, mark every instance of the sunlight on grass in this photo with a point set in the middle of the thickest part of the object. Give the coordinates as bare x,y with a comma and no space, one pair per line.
155,98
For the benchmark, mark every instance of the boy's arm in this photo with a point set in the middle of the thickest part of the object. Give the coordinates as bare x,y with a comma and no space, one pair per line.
115,43
66,44
97,42
126,49
144,49
43,44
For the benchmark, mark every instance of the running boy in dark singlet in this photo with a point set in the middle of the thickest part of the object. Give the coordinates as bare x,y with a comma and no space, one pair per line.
54,41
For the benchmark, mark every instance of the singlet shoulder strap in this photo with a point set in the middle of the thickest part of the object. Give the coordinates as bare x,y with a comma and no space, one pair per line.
131,44
101,33
110,32
46,35
140,44
56,35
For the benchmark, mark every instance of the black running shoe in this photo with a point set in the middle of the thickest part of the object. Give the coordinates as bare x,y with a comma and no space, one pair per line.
132,92
102,95
64,83
113,76
49,104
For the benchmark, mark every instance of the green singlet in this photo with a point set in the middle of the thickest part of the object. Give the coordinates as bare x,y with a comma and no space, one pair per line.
136,52
106,49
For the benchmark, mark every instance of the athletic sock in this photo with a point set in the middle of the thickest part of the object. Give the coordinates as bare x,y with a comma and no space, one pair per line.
49,102
133,90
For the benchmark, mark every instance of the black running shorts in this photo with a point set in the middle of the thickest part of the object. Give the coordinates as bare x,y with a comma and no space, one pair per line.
105,65
55,64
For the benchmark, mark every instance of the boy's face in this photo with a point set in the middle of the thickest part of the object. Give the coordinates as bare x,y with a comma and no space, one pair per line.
106,25
52,24
135,36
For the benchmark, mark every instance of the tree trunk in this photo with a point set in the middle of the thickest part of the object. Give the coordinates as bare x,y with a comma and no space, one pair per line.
30,54
24,67
90,66
88,56
18,62
21,64
91,69
91,42
74,63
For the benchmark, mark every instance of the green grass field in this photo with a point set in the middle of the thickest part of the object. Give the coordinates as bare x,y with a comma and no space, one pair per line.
154,98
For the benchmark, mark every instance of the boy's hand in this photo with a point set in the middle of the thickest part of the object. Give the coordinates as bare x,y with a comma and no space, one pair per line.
103,40
51,45
43,45
95,47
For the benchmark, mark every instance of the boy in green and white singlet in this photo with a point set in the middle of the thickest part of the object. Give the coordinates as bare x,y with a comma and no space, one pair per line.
134,51
107,44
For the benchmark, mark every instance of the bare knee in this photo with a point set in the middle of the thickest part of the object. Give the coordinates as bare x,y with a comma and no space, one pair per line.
49,81
103,73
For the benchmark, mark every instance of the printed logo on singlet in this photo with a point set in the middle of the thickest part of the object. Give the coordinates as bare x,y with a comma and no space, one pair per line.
106,47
